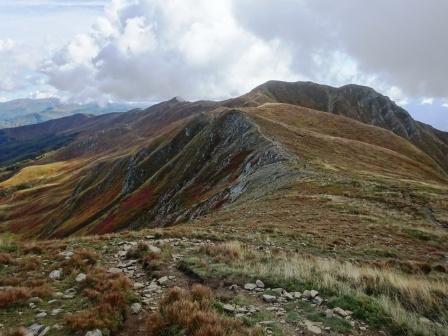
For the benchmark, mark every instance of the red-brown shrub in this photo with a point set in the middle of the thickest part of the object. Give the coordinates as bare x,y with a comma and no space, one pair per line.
12,296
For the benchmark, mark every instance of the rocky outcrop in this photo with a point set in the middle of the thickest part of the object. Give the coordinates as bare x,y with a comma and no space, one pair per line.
209,163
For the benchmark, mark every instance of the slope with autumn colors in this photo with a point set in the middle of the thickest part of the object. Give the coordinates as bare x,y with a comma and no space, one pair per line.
177,160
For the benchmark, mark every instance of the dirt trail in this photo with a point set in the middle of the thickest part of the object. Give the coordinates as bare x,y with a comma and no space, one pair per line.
282,316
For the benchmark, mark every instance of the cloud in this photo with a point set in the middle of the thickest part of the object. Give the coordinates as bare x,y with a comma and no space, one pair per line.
142,49
401,42
17,64
158,49
427,101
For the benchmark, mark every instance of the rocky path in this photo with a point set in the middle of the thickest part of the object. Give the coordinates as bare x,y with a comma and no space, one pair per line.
275,310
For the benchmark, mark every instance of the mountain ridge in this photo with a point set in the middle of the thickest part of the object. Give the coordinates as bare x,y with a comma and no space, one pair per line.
177,160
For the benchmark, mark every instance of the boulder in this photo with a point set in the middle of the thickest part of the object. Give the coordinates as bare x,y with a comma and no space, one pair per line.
259,284
95,332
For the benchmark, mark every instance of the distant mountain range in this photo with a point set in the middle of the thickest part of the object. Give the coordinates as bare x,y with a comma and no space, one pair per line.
22,112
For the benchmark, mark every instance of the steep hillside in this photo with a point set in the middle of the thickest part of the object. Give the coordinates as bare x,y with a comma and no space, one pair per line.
178,160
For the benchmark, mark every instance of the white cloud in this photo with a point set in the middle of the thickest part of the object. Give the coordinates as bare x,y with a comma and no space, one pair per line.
154,49
17,64
402,42
158,49
427,101
202,49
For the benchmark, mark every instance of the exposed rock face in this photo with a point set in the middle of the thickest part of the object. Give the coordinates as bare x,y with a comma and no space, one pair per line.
206,165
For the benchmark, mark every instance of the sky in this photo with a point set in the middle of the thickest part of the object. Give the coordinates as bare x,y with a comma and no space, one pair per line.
152,50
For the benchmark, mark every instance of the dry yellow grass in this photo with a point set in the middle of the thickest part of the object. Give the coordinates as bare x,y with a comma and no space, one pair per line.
191,313
34,174
402,297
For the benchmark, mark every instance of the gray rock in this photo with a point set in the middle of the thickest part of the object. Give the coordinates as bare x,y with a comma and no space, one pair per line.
259,284
163,280
312,328
95,332
57,311
35,299
269,298
310,294
44,332
55,275
138,285
81,277
288,296
339,311
35,329
318,300
229,308
66,254
41,315
329,313
153,286
114,270
277,291
154,249
136,308
424,320
296,295
250,286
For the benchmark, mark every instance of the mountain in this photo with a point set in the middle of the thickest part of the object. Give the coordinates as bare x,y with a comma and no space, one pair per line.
21,112
305,209
357,102
178,160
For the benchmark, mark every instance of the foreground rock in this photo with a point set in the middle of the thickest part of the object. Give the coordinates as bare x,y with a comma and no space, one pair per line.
136,308
55,275
95,332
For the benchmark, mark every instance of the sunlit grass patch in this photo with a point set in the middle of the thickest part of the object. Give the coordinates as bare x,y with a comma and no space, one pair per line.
381,296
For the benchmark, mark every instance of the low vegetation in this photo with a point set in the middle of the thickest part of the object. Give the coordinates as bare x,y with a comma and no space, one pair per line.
110,296
183,312
406,304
